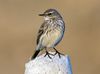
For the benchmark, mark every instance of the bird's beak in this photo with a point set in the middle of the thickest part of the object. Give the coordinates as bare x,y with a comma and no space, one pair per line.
41,14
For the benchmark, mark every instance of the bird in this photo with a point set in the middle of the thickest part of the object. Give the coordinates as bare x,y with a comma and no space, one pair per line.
50,32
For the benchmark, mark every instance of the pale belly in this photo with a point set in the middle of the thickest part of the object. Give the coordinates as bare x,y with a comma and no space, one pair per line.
52,38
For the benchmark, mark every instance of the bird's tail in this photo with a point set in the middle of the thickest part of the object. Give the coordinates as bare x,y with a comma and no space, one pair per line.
35,54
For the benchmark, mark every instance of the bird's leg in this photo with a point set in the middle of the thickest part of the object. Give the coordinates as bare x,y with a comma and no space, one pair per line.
57,52
48,54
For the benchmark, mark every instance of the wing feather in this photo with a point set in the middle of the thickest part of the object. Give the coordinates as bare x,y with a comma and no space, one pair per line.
41,31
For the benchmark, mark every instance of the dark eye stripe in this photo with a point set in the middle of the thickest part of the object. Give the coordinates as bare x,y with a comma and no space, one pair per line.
50,14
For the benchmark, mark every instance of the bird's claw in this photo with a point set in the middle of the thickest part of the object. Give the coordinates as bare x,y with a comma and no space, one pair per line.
48,54
59,54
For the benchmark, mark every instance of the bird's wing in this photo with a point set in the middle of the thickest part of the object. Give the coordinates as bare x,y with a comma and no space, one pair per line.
41,31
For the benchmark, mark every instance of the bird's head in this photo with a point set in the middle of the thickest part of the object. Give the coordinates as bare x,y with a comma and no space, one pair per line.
51,14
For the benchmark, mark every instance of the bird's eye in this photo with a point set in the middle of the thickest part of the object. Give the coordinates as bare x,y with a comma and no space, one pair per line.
49,13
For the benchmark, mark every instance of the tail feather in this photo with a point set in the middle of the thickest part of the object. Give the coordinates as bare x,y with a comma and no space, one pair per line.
35,54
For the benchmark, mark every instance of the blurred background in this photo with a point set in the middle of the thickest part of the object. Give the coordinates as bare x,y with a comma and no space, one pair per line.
19,24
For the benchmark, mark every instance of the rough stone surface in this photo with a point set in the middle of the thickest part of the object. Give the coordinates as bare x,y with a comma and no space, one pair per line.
45,65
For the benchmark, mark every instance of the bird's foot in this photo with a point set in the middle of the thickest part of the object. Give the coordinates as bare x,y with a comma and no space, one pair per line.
48,54
59,54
